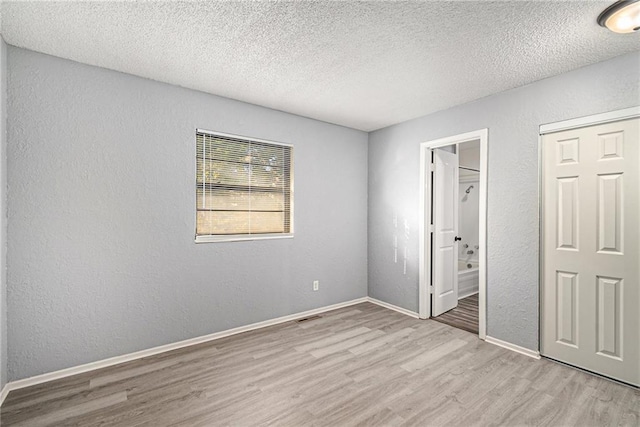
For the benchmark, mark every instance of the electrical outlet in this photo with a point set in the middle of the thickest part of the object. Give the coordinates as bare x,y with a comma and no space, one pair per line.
316,285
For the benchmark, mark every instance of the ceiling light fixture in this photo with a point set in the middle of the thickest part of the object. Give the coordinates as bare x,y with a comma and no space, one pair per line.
621,17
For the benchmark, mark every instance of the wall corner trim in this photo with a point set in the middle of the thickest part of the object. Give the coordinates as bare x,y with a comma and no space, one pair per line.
92,366
393,307
513,347
3,393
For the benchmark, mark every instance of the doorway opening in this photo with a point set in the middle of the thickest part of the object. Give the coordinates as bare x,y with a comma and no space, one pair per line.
453,189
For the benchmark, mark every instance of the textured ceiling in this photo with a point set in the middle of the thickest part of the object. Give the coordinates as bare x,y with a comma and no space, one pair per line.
365,65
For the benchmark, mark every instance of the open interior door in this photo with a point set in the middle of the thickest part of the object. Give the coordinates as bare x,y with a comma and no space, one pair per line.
444,265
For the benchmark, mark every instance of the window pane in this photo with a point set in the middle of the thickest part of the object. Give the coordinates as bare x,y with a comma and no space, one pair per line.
239,222
267,155
267,222
222,149
242,186
267,176
224,173
223,222
239,200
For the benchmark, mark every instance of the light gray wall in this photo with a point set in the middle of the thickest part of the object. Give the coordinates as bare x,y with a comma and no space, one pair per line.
3,213
101,198
513,119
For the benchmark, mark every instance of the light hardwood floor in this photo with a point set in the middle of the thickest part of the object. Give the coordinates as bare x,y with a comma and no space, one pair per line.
464,316
360,365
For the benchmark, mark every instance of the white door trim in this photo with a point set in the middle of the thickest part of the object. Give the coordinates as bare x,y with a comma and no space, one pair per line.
424,295
595,119
509,346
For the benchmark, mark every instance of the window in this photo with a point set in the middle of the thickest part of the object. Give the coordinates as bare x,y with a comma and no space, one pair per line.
244,188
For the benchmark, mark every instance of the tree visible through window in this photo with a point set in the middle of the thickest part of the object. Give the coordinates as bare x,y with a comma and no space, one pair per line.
243,186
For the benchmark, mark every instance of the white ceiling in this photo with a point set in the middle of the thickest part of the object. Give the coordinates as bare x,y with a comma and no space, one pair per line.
364,65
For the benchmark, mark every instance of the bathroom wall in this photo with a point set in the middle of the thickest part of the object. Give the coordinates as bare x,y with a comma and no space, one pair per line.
468,218
468,206
469,155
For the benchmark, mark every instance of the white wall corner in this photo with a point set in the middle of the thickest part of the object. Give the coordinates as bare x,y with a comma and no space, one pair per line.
4,393
513,347
393,307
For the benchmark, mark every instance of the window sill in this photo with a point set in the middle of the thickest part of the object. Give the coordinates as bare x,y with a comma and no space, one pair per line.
241,238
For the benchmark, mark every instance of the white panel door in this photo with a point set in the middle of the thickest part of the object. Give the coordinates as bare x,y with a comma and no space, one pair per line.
445,221
591,256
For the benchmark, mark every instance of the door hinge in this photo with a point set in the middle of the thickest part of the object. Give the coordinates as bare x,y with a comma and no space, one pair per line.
431,289
431,228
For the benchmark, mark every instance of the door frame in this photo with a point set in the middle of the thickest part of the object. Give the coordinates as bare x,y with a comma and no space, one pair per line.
594,119
424,294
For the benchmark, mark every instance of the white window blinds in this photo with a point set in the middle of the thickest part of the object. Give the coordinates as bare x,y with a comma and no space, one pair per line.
243,187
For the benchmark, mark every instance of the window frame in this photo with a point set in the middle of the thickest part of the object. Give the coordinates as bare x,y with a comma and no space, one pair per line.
218,238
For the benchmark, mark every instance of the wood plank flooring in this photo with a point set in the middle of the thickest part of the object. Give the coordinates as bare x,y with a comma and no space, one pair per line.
360,365
464,316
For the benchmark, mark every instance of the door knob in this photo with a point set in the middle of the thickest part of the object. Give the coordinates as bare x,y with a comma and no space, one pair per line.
457,239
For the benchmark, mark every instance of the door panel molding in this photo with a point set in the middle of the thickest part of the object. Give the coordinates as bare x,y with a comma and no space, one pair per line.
567,235
567,308
609,316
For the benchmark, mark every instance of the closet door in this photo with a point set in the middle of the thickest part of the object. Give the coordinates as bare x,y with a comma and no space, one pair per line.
591,258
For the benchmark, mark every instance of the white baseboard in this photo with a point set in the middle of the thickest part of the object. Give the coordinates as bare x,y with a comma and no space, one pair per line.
92,366
3,393
513,347
393,307
467,293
